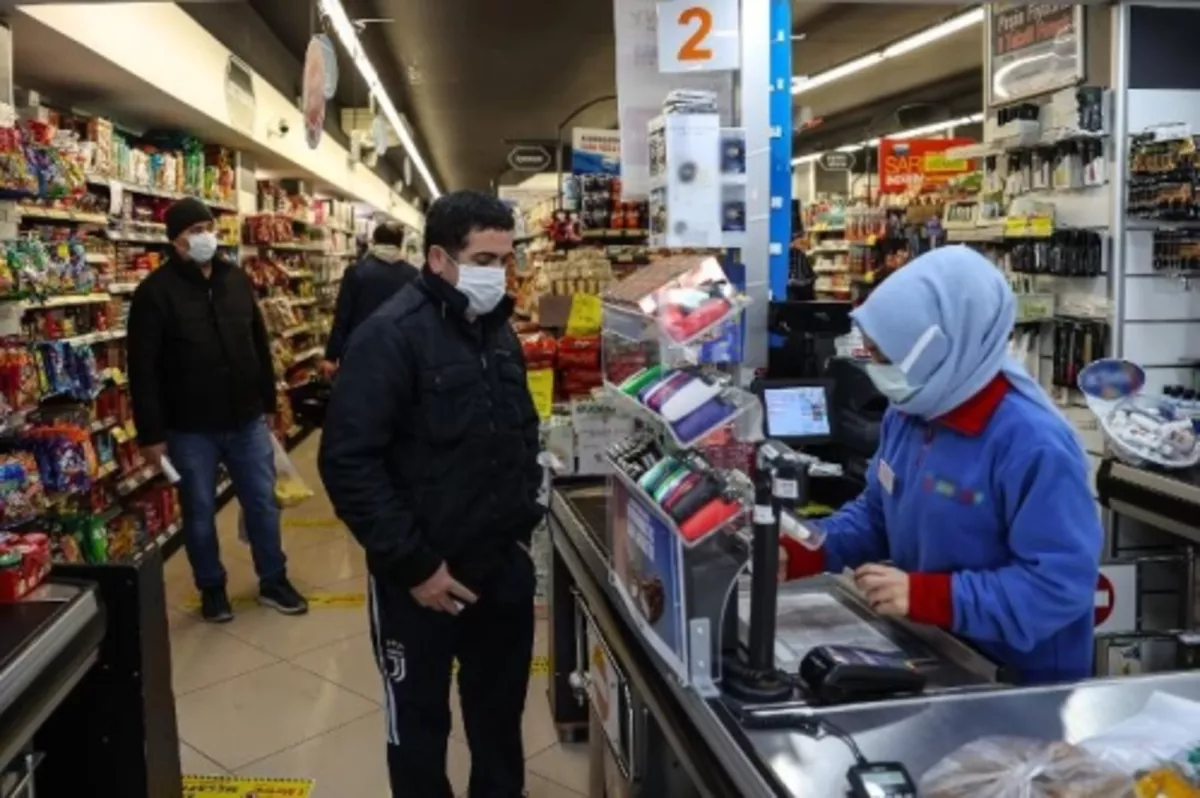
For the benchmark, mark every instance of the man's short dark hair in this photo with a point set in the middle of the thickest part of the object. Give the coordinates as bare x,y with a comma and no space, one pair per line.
391,233
453,217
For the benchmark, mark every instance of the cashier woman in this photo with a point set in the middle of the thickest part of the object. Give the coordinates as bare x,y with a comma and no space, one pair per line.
977,514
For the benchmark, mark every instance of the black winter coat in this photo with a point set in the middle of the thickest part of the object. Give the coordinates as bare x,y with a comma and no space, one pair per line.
365,287
198,352
429,451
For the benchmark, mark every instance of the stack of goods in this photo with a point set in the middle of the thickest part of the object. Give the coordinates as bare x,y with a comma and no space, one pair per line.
603,208
45,263
31,374
579,366
288,198
581,271
24,563
21,496
278,314
271,272
271,228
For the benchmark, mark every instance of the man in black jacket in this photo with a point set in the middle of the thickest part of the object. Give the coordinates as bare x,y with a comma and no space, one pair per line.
378,275
429,455
202,385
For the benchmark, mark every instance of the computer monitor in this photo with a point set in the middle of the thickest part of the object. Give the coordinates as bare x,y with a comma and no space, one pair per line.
796,411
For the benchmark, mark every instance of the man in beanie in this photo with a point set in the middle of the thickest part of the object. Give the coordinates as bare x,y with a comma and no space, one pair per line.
203,387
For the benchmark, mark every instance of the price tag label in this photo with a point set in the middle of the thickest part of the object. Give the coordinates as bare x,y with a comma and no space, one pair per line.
586,315
786,489
763,514
541,389
698,36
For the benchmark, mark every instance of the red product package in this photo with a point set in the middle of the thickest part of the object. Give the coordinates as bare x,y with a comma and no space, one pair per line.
539,349
579,352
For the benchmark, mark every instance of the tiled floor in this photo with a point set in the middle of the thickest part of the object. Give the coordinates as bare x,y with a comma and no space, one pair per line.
268,695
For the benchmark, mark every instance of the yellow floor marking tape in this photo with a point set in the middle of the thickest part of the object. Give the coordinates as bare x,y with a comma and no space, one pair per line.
538,666
337,601
240,787
308,523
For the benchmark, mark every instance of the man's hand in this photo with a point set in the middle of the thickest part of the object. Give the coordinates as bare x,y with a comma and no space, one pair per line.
442,592
783,564
154,453
885,587
328,369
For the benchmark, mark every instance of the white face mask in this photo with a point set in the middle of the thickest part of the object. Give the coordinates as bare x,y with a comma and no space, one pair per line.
202,247
891,382
483,286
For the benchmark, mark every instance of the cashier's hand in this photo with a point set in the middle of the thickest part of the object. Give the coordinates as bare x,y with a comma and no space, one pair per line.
885,587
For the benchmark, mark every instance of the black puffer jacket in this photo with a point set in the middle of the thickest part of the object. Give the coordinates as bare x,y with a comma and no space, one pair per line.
199,355
429,452
365,287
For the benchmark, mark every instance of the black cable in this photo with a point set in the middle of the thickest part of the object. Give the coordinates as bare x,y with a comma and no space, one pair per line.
833,730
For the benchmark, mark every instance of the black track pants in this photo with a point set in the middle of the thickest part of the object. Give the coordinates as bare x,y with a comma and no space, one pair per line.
493,643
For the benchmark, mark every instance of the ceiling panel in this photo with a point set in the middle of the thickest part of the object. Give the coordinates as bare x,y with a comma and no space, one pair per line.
471,75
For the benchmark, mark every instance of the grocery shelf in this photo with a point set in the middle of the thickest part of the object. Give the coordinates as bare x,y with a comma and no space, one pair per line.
307,354
152,191
55,214
88,339
60,301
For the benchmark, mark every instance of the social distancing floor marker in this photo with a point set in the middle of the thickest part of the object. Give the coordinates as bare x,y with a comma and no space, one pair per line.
242,787
337,601
311,523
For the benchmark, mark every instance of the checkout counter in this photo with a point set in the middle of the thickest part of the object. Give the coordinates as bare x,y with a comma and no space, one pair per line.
48,643
669,735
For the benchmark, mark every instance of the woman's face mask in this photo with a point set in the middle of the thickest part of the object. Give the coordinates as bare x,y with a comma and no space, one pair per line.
890,381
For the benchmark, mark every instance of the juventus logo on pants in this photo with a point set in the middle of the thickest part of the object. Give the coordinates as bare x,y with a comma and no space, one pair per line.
394,659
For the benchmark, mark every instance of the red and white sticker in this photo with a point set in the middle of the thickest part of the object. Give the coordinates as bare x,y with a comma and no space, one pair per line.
1106,599
1116,604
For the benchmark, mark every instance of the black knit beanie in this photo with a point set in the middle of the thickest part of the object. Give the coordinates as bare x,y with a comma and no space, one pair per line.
185,213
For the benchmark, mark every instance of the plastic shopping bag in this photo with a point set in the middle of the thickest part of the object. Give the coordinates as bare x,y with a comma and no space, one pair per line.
1016,767
1165,726
290,488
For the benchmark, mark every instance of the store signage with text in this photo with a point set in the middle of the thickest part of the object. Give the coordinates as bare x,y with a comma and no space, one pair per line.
698,36
641,88
529,158
1033,48
836,161
595,151
915,164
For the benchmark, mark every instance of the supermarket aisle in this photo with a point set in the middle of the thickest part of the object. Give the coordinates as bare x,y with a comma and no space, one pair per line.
268,695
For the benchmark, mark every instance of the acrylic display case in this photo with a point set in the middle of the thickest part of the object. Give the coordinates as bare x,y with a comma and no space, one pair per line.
680,496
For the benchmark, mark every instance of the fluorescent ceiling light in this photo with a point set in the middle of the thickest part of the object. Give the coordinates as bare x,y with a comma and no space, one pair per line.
344,29
918,40
837,73
911,133
931,35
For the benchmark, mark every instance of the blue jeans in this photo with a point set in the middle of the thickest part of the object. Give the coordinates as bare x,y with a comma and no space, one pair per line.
250,459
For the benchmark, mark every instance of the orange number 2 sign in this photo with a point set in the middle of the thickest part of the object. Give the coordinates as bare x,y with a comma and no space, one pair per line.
693,48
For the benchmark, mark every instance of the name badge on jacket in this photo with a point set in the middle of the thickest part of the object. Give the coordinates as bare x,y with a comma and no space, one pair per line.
887,477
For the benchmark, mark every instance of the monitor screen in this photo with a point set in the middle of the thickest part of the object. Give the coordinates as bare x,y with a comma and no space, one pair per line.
798,411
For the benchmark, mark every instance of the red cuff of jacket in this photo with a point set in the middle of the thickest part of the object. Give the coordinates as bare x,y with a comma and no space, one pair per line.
929,600
801,560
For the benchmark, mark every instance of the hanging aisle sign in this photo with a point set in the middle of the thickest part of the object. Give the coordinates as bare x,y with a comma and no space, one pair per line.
1033,49
698,36
312,93
641,88
908,165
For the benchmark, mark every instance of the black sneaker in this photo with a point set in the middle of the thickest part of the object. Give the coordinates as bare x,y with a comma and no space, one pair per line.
214,605
279,594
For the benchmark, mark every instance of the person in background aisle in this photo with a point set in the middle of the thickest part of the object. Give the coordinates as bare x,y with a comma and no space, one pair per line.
379,274
429,455
202,386
977,514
